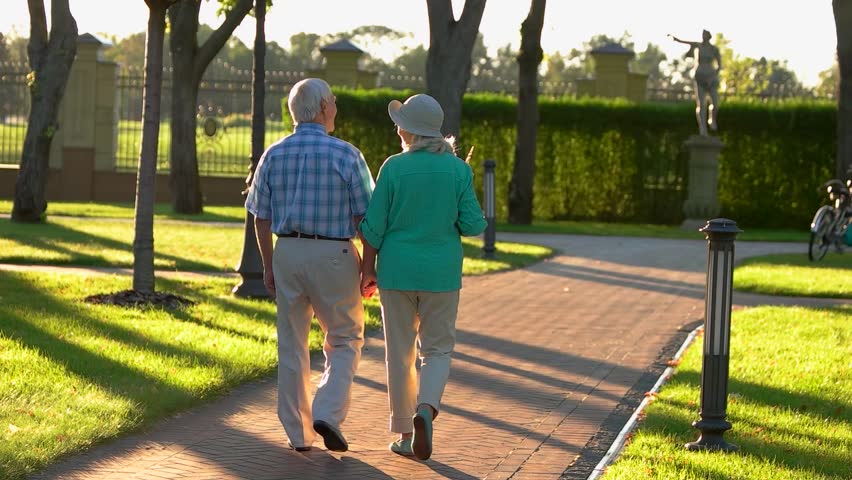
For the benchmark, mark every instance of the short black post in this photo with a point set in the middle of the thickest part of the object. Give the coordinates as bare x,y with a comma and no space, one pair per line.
720,234
488,247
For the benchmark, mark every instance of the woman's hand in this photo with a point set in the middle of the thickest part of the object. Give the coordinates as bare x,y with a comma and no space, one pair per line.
368,282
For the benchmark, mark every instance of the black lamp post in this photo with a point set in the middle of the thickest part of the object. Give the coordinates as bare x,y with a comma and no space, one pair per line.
488,247
250,267
720,234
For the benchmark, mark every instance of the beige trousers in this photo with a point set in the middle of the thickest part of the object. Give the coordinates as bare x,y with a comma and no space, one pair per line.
429,319
316,277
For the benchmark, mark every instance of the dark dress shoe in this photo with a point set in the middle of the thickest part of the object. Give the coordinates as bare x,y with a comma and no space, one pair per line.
332,437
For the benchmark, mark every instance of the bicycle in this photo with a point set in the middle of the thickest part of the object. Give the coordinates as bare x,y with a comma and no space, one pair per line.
831,221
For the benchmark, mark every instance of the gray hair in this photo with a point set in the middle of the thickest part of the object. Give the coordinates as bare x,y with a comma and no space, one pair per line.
431,144
305,100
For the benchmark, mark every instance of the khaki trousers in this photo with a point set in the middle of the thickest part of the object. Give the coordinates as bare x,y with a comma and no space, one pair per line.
429,319
322,277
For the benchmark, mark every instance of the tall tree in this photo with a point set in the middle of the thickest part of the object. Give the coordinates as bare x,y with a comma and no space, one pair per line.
189,61
51,57
529,59
143,240
128,51
827,86
843,24
449,60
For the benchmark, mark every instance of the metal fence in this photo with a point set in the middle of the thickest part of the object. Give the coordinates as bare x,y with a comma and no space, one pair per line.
223,112
14,110
223,136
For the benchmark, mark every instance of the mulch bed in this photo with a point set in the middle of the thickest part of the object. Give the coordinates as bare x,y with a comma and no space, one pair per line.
135,299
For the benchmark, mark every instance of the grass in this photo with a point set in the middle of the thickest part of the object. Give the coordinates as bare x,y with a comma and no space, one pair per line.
650,230
162,211
795,275
789,403
73,374
182,246
221,213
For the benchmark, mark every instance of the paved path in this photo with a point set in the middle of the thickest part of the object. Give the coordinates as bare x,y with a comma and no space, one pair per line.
544,356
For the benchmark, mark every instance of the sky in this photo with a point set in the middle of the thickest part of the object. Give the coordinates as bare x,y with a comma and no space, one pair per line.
800,32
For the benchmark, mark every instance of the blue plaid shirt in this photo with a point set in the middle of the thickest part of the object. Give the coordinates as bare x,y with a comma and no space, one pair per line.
311,182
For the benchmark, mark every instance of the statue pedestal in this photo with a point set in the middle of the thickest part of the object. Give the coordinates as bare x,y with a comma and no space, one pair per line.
702,202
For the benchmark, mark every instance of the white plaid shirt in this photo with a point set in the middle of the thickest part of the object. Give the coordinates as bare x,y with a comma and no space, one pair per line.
311,182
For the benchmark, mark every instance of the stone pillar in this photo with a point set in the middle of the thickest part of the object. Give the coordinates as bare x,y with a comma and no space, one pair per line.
702,200
86,139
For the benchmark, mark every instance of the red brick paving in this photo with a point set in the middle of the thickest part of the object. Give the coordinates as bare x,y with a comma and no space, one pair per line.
543,356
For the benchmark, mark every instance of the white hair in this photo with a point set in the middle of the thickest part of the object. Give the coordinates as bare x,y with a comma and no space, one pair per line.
430,144
306,97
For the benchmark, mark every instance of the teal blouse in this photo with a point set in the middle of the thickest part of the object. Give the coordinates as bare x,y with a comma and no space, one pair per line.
422,204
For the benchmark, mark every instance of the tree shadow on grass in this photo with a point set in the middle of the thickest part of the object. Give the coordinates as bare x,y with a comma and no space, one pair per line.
46,237
118,378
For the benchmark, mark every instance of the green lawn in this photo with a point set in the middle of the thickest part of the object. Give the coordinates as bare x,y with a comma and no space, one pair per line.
237,214
162,211
649,230
226,153
790,404
12,141
73,373
795,275
182,246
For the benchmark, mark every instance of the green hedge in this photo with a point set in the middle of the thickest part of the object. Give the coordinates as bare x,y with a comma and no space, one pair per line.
613,160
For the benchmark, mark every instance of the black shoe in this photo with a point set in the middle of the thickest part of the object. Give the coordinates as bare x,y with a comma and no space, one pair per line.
298,449
332,437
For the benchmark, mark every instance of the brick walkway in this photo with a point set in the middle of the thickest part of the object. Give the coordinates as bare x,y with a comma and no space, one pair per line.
544,355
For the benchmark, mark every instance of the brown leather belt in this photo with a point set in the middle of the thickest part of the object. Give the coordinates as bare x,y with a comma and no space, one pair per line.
312,236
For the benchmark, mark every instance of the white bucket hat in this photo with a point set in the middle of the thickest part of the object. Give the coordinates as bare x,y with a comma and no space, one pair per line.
420,114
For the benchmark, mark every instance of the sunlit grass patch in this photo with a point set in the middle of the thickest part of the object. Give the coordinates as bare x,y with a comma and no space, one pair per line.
795,275
790,403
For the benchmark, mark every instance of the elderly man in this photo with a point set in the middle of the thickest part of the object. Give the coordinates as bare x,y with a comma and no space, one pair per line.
311,189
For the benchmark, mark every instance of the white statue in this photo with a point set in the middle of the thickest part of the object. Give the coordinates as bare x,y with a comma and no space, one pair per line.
706,77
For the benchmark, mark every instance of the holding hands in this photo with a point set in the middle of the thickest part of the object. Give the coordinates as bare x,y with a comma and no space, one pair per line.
368,281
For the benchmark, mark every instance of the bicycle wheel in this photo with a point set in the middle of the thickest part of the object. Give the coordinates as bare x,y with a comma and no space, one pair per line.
821,237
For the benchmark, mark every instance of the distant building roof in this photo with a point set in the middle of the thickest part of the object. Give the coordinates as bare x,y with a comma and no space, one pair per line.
341,46
89,38
613,49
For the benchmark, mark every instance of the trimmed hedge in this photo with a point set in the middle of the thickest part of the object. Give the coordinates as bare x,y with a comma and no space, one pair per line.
612,160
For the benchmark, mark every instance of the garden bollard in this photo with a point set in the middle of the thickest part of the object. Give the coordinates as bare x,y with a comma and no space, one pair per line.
491,229
720,234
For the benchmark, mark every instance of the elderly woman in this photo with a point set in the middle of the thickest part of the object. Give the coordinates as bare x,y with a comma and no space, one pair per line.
422,204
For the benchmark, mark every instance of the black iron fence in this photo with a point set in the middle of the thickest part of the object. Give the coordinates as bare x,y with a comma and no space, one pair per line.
224,112
223,137
14,110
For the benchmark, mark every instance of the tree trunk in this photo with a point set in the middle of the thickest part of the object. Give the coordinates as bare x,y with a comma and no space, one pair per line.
50,58
843,24
189,61
448,63
143,241
529,59
184,180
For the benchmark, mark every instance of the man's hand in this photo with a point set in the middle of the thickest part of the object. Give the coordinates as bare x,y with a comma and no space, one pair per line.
368,282
269,282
